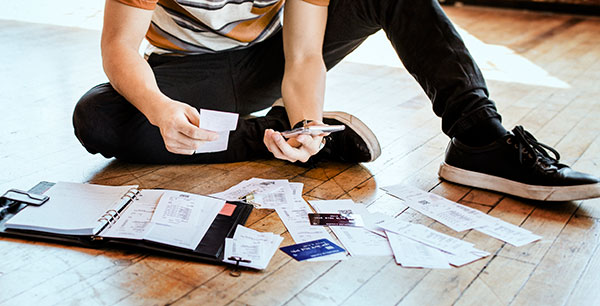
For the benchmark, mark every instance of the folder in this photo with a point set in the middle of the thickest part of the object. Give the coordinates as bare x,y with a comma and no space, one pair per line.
98,210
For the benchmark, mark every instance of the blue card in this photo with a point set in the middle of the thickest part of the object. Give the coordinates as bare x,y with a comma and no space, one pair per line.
312,249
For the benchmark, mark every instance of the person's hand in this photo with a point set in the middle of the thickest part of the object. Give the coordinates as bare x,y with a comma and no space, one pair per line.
299,148
179,126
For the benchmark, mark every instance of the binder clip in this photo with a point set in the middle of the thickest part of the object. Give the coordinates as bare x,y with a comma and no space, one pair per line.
24,197
235,271
11,201
249,199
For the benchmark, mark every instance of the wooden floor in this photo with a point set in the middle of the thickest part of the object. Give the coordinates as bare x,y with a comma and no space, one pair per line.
543,71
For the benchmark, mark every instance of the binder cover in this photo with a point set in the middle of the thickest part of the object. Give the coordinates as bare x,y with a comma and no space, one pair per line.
210,248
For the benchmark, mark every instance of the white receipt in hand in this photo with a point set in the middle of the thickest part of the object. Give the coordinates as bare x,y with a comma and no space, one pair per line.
220,122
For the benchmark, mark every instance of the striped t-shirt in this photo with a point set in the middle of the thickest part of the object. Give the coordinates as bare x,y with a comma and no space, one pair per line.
209,26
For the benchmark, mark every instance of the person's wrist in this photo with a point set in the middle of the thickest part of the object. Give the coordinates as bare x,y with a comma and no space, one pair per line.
157,109
301,123
306,122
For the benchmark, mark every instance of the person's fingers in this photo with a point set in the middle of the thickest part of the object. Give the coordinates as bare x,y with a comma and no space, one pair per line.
293,154
192,115
197,133
272,146
271,139
188,143
179,150
189,125
311,144
299,148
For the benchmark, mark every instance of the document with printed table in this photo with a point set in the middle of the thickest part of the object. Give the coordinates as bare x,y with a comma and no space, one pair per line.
167,221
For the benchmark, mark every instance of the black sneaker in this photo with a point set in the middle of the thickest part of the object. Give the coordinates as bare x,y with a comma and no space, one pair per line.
355,144
519,165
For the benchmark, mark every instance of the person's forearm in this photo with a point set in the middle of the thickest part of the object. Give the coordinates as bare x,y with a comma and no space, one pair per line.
303,89
133,78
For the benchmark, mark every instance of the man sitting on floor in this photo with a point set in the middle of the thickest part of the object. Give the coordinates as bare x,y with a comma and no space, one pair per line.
237,56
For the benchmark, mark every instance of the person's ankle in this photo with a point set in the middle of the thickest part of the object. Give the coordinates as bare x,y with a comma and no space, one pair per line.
483,133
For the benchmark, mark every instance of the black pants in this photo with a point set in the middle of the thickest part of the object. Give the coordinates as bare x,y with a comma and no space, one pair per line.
249,80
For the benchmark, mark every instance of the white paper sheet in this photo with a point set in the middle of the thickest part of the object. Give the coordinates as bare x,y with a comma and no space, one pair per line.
510,233
464,258
251,186
372,221
182,219
251,245
134,222
410,253
273,199
358,241
426,236
294,216
220,122
215,146
456,216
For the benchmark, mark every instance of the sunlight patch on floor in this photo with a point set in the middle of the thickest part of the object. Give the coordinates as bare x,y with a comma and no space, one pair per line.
496,62
85,14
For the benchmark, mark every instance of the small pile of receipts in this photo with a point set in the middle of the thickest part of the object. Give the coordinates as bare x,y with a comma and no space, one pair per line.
367,234
255,248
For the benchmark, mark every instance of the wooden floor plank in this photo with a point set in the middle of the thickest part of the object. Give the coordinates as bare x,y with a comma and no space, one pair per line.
584,291
567,258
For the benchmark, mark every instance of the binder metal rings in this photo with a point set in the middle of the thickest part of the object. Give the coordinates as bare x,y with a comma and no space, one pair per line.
103,218
111,216
114,216
131,193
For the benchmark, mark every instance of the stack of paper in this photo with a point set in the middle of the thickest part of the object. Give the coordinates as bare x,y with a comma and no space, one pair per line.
286,199
459,217
255,248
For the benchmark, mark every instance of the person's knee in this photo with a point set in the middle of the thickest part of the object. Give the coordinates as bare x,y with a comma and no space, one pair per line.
92,119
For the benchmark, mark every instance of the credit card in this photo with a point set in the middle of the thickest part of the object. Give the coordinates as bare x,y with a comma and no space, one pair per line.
312,249
332,219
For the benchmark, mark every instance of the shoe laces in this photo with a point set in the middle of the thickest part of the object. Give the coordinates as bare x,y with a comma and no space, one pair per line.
527,144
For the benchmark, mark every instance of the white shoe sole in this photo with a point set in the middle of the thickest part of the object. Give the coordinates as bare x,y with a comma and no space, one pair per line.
533,192
360,128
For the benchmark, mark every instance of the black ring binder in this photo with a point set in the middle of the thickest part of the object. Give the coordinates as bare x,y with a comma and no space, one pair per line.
210,249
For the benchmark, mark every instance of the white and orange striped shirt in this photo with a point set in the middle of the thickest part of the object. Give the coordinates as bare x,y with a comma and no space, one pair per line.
209,26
